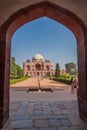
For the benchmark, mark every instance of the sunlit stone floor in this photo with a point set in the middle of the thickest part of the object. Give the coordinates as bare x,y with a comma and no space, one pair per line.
44,115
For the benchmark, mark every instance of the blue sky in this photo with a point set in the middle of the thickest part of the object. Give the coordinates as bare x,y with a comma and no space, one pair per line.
51,39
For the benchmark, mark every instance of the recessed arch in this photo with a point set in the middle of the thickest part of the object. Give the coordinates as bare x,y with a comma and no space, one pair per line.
26,15
38,66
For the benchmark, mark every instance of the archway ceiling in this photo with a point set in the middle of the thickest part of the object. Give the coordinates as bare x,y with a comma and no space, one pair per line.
8,7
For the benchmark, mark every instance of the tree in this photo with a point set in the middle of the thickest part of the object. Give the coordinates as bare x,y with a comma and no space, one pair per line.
19,71
71,68
15,69
57,71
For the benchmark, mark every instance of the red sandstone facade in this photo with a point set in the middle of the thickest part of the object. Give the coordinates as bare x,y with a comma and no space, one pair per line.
38,67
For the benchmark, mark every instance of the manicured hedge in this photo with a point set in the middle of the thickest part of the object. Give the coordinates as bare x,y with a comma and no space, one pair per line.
63,80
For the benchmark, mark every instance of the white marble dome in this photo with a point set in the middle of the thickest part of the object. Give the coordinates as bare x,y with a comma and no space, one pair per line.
38,57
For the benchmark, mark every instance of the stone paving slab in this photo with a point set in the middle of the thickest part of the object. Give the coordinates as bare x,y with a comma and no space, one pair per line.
41,123
79,128
20,117
54,122
48,128
20,124
63,128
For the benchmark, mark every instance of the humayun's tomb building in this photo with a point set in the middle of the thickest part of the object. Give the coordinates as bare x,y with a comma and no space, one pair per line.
38,67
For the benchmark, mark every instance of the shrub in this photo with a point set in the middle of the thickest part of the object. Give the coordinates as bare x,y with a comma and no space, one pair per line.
63,79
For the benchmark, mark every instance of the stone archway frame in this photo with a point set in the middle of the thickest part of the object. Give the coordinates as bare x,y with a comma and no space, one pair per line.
26,15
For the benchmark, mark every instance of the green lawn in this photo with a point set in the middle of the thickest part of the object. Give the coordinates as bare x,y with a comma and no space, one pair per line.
17,80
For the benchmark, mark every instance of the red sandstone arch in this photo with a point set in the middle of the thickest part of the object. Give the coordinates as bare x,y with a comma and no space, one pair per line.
28,14
38,66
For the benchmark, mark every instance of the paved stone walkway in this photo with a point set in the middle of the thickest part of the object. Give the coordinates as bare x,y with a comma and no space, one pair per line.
50,113
18,91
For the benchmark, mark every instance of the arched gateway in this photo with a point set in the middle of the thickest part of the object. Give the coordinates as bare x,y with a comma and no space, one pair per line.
27,14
